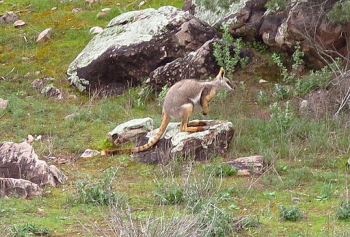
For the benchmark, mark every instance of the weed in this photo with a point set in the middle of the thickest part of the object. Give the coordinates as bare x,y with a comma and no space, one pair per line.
98,193
290,214
223,51
28,229
221,170
343,210
169,193
263,98
281,119
276,5
281,92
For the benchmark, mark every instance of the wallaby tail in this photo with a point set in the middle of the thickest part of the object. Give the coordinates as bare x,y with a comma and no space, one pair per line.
151,142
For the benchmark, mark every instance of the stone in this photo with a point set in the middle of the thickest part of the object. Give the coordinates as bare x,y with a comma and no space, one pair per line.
30,138
134,44
88,153
9,17
19,161
96,30
75,10
130,131
44,35
18,23
10,187
248,165
3,103
42,86
212,142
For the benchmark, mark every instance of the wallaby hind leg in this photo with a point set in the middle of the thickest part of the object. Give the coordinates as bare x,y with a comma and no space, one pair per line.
196,124
184,123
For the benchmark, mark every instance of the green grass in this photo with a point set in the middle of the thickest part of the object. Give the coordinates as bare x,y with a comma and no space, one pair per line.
305,158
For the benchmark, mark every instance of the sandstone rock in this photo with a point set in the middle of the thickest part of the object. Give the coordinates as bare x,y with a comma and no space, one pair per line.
18,23
75,10
18,188
214,141
45,89
3,103
8,17
133,45
248,165
130,131
88,153
19,161
44,35
96,30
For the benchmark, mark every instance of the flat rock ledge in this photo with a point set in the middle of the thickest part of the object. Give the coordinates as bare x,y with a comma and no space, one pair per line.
22,173
213,141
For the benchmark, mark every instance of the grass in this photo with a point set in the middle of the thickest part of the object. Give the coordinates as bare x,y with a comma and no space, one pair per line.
306,158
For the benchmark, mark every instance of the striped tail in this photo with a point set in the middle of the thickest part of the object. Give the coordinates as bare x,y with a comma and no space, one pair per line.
151,142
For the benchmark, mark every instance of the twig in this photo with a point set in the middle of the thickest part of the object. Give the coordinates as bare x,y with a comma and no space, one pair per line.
4,77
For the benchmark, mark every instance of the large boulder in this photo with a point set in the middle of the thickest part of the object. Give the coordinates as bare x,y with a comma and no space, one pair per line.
19,161
134,44
198,64
213,141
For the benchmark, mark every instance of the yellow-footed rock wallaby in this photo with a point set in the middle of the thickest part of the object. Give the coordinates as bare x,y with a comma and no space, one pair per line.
179,102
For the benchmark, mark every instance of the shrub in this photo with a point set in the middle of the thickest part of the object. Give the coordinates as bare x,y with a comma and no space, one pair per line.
276,5
263,98
223,51
28,230
290,214
343,211
340,12
221,170
281,119
98,193
169,193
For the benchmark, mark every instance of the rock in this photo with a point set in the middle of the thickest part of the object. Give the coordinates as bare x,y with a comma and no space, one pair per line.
134,44
198,64
130,131
212,142
19,161
96,30
262,81
70,116
45,89
3,103
30,139
248,165
18,23
8,17
19,188
75,10
88,153
44,35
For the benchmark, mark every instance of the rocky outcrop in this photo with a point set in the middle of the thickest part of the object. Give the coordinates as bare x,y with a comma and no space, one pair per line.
302,21
134,44
213,141
19,161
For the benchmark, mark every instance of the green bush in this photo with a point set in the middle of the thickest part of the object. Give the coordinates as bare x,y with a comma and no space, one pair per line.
28,230
221,170
98,193
343,211
290,214
223,51
276,5
340,12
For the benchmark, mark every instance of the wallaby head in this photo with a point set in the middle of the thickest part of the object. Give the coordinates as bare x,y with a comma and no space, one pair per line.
222,82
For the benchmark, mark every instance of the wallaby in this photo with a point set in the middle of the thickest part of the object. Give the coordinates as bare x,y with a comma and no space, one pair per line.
179,102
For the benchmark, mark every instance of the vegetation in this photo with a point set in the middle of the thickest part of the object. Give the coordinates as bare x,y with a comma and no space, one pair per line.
114,196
